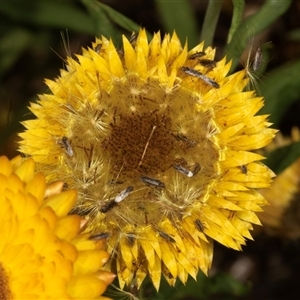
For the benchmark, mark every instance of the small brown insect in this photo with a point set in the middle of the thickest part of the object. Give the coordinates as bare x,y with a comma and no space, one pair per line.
244,169
99,236
123,194
98,48
207,63
199,225
65,143
152,181
183,171
130,238
197,55
120,197
167,237
258,57
133,38
198,74
180,137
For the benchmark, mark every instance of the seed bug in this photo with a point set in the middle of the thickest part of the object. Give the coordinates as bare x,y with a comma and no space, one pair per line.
152,181
183,171
253,64
207,63
123,194
244,169
197,55
98,48
257,59
133,38
130,238
198,74
167,237
99,236
199,225
65,143
120,197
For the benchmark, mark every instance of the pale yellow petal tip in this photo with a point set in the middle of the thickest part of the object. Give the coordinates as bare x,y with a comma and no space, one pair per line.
158,141
107,277
54,188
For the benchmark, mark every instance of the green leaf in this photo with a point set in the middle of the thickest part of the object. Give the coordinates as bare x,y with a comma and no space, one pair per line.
281,88
210,21
103,24
105,17
178,15
238,11
204,288
60,14
118,18
254,24
224,284
279,159
294,35
191,289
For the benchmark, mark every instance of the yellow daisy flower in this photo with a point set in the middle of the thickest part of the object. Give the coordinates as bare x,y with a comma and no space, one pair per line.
157,141
42,256
281,217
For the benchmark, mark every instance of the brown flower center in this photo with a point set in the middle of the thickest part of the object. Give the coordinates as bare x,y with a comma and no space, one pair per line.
141,143
151,158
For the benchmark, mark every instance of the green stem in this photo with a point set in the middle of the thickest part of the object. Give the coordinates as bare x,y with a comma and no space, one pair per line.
210,21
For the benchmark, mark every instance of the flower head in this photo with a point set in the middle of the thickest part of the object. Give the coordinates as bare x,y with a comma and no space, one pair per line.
42,256
281,216
157,141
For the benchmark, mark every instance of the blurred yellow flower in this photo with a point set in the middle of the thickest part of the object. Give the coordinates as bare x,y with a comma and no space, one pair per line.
42,254
157,141
282,215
